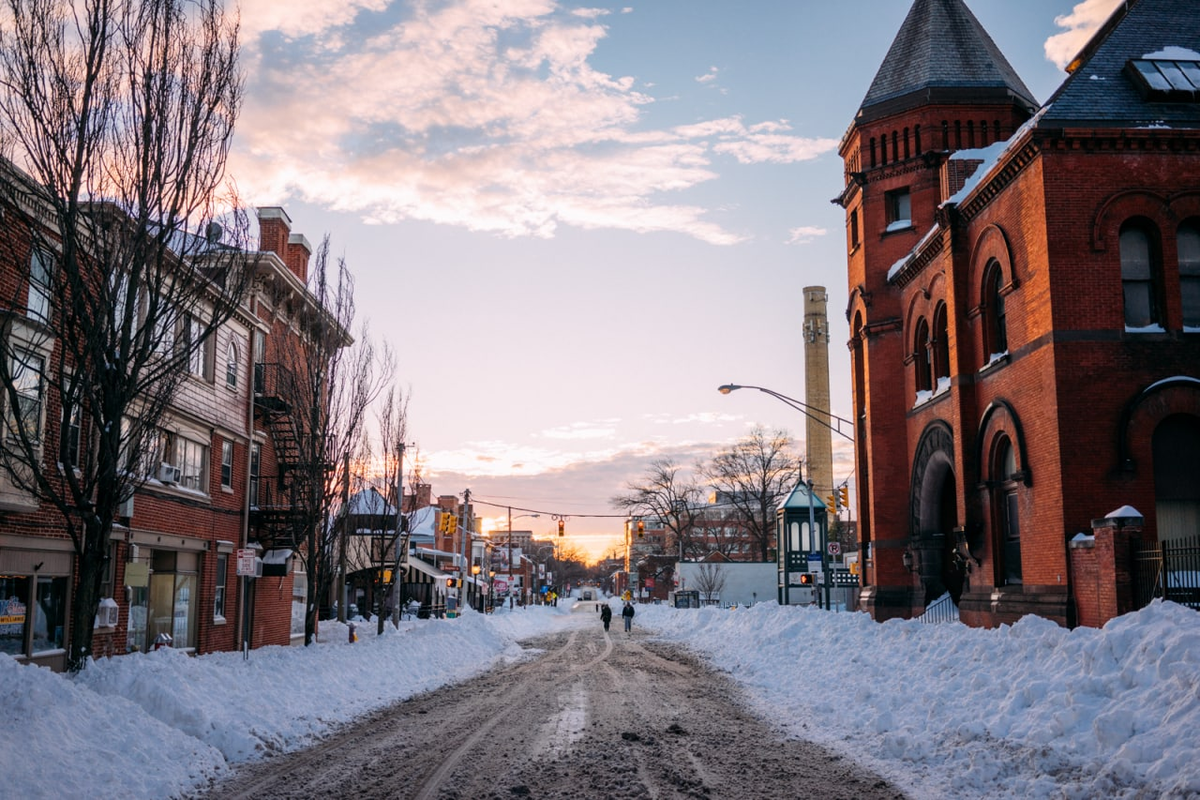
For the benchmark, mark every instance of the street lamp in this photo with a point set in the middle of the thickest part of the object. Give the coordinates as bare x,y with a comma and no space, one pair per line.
803,408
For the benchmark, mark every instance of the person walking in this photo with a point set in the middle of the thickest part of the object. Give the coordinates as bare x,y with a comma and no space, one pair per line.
627,612
606,615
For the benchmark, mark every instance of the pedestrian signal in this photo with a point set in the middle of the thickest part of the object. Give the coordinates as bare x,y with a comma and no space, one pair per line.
844,496
449,583
806,579
561,527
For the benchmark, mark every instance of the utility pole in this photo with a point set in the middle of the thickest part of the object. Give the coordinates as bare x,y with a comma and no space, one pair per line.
466,529
511,588
341,581
400,539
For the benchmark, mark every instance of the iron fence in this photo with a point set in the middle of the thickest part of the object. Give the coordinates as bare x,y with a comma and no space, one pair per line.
1168,570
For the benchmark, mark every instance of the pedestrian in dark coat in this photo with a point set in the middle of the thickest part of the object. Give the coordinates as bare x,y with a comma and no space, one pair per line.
605,615
627,612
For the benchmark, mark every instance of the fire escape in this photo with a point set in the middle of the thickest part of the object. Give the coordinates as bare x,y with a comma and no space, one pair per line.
276,519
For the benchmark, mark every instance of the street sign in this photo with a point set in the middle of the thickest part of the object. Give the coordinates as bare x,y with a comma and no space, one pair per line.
245,562
814,562
834,548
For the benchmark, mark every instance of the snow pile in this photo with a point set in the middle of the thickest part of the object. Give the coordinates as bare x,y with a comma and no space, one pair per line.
1028,710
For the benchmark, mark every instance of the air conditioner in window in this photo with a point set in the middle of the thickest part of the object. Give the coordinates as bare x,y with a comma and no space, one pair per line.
125,508
168,473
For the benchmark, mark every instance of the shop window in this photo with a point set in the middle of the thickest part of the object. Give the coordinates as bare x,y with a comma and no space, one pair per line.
1188,243
227,464
33,614
899,209
1139,275
40,289
995,325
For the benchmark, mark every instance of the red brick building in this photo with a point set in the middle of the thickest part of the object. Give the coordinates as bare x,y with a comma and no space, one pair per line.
1030,275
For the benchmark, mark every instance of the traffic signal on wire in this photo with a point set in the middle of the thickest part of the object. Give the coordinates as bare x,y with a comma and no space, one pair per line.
561,528
831,503
844,496
641,529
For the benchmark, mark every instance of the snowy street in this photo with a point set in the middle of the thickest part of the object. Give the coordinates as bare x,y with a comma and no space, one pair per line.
938,711
586,714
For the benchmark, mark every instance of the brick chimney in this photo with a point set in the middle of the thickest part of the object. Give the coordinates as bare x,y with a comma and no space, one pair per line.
275,236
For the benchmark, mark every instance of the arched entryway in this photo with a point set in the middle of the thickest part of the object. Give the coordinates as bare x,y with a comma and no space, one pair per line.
934,510
1176,445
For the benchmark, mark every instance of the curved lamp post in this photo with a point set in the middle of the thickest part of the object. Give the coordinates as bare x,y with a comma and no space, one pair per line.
803,408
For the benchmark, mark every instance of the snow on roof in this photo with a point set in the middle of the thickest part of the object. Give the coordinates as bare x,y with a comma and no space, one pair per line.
1124,512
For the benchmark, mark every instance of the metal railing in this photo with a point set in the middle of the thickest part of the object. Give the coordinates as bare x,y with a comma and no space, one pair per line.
1169,570
944,609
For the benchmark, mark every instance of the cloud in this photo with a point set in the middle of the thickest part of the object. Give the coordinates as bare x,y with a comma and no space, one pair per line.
483,115
707,77
581,430
805,234
1083,21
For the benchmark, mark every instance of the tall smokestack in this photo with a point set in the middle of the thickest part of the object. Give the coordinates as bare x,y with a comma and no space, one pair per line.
818,436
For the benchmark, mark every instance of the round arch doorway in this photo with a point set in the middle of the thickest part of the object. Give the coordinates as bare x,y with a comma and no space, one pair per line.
934,509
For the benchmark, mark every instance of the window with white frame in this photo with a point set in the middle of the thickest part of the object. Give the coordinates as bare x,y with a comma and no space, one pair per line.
198,346
40,290
70,436
26,417
231,365
192,460
227,464
219,591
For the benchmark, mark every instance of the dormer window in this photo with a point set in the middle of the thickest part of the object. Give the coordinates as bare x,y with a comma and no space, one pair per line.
1166,80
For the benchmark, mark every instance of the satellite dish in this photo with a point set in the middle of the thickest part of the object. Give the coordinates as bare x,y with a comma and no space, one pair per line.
214,232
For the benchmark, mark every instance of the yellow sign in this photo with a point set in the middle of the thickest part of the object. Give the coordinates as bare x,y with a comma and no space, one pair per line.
853,567
13,620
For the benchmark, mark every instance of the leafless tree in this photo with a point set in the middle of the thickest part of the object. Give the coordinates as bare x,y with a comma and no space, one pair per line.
392,420
326,383
753,476
115,123
667,494
710,580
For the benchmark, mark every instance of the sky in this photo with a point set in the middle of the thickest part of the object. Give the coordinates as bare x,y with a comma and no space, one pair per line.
573,221
1020,712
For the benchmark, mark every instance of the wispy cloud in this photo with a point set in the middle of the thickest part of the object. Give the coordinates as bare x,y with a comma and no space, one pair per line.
581,430
709,76
1083,21
484,115
805,234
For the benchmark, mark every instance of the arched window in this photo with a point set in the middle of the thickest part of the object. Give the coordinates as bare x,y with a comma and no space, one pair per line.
921,356
941,345
983,133
1008,522
906,143
231,366
917,139
1139,274
1188,244
995,330
872,152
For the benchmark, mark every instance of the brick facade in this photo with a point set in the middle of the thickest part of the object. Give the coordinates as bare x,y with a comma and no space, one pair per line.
995,455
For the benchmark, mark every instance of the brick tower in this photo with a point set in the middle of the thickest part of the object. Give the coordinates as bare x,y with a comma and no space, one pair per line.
818,437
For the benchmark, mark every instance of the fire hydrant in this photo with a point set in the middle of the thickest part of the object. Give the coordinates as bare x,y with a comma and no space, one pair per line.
162,640
353,635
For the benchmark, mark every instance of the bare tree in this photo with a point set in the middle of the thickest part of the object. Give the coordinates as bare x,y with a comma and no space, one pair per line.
667,494
325,384
392,419
116,120
710,580
753,476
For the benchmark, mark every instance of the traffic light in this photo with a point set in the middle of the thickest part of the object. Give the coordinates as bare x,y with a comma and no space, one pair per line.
831,503
449,523
806,579
449,583
641,529
844,496
561,528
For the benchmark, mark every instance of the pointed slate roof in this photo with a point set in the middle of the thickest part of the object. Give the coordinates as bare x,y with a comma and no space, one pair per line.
1101,92
942,54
